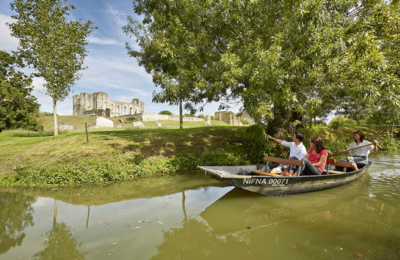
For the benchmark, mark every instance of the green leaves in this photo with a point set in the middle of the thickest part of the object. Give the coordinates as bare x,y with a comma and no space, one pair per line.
53,46
313,57
18,107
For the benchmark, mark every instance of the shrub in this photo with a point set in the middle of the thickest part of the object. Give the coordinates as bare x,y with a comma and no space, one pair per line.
132,118
189,115
337,122
212,117
46,114
244,121
350,121
165,112
255,142
200,116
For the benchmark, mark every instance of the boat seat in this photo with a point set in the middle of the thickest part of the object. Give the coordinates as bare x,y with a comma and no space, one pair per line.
333,172
266,173
344,165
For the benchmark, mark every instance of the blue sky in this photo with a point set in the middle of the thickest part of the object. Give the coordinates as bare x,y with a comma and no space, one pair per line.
110,69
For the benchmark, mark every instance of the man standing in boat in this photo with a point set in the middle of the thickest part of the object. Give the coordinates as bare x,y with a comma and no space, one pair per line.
297,150
360,155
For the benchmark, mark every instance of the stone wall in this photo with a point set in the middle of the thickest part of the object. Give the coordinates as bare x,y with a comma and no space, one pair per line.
227,117
246,116
99,103
157,117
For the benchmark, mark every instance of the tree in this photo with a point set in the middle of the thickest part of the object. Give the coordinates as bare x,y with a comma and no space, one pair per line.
53,46
283,59
165,112
15,216
377,25
18,107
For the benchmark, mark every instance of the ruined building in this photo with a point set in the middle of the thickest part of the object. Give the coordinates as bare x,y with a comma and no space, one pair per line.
228,117
99,103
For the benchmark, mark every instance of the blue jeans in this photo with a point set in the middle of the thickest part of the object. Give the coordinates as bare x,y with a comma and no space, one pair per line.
291,167
309,168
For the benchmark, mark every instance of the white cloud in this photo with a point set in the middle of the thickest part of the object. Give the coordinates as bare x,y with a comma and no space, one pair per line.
124,99
103,41
38,83
120,64
117,16
7,42
141,92
90,76
115,12
46,102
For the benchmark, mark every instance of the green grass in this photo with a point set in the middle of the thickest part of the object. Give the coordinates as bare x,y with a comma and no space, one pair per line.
120,153
79,122
124,152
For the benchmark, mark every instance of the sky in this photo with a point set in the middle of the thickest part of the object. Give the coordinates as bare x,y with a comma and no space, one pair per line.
110,69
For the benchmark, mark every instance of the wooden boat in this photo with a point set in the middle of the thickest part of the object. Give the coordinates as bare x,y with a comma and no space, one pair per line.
256,178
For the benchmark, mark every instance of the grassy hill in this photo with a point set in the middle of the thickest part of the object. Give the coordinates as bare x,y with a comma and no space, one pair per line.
79,122
119,153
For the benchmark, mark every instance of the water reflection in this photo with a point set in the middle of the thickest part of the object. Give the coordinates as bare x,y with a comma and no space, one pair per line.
59,242
324,224
193,217
15,217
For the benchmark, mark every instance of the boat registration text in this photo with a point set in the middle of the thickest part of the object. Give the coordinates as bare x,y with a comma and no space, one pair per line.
273,182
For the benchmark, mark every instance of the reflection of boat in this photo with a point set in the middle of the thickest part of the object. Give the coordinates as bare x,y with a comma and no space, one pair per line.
242,177
237,210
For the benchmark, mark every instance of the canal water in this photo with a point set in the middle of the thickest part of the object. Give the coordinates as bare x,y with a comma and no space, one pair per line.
194,217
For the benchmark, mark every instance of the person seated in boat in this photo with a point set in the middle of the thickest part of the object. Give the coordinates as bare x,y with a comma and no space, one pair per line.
297,152
315,160
359,155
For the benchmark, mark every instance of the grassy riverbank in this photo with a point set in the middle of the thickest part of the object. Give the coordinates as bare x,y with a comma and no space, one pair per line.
116,154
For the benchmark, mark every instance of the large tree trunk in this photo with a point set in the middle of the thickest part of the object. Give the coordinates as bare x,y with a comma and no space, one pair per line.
55,117
284,124
180,113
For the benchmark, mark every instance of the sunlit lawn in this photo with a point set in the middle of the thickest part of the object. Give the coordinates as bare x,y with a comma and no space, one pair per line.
23,148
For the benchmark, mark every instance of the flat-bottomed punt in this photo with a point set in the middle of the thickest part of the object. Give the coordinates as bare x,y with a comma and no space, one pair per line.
256,178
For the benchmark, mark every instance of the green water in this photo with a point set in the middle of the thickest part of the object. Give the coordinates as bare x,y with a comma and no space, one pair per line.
194,217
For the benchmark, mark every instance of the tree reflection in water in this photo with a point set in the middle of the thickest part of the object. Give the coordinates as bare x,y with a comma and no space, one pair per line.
59,242
15,216
337,229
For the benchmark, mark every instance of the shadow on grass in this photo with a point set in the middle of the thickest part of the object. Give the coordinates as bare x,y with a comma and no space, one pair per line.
169,142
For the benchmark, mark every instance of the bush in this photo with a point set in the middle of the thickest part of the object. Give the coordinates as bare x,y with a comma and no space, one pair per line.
200,116
47,114
132,118
189,115
165,112
244,121
350,121
255,142
337,122
212,117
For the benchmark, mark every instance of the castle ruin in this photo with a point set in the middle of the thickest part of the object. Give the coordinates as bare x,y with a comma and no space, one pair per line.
228,117
99,103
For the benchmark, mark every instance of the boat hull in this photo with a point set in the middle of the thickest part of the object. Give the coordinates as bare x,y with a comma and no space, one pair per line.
241,177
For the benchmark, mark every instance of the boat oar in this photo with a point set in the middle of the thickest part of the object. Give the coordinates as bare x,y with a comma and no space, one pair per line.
329,155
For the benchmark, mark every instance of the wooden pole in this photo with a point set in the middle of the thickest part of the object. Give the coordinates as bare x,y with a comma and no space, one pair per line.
87,137
351,149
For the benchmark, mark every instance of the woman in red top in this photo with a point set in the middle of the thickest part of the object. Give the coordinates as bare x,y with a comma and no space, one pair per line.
316,158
